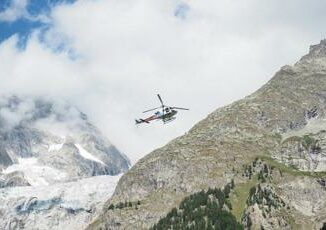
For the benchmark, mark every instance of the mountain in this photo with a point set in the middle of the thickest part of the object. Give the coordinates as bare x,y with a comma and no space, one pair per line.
271,144
44,141
56,168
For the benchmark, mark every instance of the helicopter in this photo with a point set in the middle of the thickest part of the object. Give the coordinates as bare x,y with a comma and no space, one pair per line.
167,115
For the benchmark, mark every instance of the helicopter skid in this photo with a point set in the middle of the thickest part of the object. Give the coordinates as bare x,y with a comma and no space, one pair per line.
168,120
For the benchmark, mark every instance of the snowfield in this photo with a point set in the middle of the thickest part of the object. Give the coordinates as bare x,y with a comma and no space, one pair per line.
70,205
34,173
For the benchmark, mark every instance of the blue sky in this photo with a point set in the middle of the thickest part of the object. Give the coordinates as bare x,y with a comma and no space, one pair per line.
28,20
35,15
181,10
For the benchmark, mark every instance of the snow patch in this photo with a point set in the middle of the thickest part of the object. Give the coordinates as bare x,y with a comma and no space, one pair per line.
55,147
84,153
35,173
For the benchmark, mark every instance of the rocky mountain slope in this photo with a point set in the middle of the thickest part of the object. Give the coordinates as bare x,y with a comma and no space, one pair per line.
56,168
271,143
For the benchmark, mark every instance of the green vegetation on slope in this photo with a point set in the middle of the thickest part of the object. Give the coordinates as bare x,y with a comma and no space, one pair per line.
307,141
289,169
126,204
202,210
239,197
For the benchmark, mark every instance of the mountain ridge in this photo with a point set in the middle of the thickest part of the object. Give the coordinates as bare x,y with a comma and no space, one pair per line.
218,148
46,134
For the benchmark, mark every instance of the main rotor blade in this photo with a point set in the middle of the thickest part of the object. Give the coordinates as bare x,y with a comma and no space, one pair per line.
152,109
179,108
159,97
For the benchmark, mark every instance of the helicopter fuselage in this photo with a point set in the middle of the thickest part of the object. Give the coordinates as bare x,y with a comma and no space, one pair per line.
166,117
168,113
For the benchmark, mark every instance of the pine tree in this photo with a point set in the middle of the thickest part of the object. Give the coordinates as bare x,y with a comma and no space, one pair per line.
202,210
232,184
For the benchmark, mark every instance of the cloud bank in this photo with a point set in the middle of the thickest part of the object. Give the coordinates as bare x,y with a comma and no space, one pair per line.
110,58
16,10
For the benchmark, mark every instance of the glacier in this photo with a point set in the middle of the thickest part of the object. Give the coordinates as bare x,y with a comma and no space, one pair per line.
69,205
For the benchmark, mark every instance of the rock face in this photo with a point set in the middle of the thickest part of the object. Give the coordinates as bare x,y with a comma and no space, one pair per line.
283,123
13,179
51,142
304,152
264,209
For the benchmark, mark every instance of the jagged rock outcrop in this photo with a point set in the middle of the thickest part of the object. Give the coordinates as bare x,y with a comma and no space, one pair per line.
216,149
13,179
304,151
265,209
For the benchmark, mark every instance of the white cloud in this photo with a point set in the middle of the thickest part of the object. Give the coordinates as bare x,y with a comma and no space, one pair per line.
16,10
130,50
11,115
